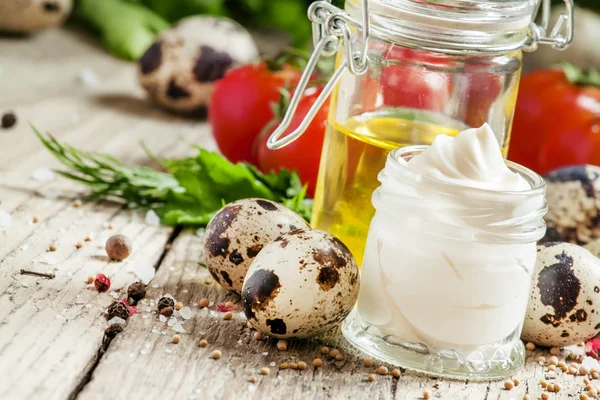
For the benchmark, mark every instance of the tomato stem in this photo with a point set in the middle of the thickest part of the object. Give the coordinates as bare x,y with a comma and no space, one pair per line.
577,76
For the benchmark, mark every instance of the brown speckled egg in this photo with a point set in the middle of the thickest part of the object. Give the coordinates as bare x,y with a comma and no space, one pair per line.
303,284
238,232
573,204
564,305
180,68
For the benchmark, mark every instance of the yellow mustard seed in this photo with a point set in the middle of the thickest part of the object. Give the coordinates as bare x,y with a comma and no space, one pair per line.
203,343
553,360
258,335
371,378
282,345
545,396
78,245
176,339
215,355
252,379
178,305
334,353
324,350
396,373
554,351
35,220
294,365
77,203
516,382
204,302
90,280
508,385
301,365
317,363
339,357
382,370
530,346
264,371
228,315
284,366
229,304
427,394
367,363
52,247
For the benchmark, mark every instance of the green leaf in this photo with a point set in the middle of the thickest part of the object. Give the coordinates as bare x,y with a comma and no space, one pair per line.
577,76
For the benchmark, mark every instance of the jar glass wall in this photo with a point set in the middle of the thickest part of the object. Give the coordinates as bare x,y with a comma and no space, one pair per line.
447,273
408,96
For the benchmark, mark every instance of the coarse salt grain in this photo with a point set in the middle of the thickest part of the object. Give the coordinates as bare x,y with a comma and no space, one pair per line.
178,328
5,219
186,313
152,218
43,175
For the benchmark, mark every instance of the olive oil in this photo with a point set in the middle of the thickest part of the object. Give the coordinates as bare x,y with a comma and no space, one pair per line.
353,155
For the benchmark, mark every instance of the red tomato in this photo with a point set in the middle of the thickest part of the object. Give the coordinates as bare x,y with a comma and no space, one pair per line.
304,154
479,89
556,123
240,107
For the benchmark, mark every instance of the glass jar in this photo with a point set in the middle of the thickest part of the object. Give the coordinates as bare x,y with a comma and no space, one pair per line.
447,273
410,70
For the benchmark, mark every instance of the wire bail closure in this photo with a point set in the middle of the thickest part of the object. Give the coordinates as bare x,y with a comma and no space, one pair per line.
331,28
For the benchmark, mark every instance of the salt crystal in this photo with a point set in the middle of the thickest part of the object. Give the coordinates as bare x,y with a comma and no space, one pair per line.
144,272
155,285
590,363
273,364
43,174
88,77
88,306
131,355
5,219
266,353
46,259
185,291
116,320
143,352
162,318
168,351
171,268
200,232
24,247
178,328
186,313
147,345
114,295
151,218
172,321
24,284
154,330
62,231
49,193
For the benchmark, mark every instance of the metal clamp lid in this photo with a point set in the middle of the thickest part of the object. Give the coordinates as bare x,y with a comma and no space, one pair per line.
331,26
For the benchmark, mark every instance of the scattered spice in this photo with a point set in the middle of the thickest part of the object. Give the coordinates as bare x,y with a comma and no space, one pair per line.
557,387
367,363
282,345
118,247
167,312
543,384
317,363
553,360
117,309
530,346
258,335
78,245
215,355
165,302
545,396
204,302
324,350
371,378
572,370
550,387
223,308
294,365
301,365
52,247
516,382
35,220
90,280
508,385
176,339
563,366
334,353
113,330
9,119
34,273
583,370
586,381
102,283
396,373
541,359
284,366
203,343
526,397
252,379
178,305
135,292
595,375
554,351
111,226
77,203
88,238
583,396
427,394
339,357
229,304
264,371
382,370
228,315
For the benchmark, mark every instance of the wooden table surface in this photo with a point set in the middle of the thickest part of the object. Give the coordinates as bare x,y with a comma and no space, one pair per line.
51,330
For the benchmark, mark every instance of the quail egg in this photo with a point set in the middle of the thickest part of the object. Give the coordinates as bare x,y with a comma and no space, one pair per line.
303,284
238,232
179,70
564,305
573,204
31,16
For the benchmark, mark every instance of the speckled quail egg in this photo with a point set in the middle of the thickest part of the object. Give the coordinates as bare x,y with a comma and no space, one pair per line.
31,16
238,232
564,305
303,284
179,69
573,204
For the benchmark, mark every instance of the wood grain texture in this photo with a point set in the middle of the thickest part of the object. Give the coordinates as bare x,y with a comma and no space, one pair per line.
51,331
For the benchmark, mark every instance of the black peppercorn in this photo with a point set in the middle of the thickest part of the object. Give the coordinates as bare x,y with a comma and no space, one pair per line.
136,292
113,330
117,309
167,311
9,119
165,302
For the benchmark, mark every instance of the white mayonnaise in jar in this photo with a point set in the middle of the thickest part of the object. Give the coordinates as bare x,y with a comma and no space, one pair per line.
449,259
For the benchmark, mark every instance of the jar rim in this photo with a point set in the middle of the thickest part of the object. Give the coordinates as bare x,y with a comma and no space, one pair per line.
402,155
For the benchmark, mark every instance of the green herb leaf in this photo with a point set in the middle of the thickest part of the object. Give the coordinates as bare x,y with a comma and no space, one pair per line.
192,191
